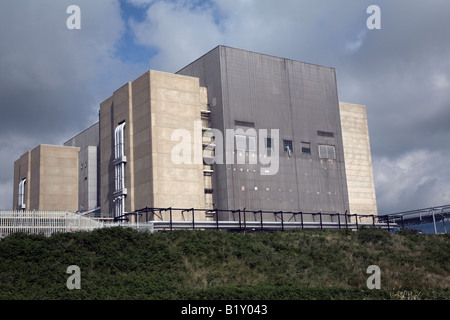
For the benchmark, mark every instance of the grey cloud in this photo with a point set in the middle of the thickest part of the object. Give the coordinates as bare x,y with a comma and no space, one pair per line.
401,72
50,77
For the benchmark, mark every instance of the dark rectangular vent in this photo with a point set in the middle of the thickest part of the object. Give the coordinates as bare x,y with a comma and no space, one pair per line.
325,134
244,124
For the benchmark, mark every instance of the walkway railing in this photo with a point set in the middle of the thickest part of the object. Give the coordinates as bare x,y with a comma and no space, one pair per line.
249,220
167,219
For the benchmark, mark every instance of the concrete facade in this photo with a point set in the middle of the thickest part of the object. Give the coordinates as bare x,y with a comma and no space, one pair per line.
358,159
51,174
153,108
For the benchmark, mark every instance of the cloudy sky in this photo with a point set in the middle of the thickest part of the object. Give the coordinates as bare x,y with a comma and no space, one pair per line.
52,79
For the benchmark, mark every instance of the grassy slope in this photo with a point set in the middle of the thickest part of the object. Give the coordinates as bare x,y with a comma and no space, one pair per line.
121,263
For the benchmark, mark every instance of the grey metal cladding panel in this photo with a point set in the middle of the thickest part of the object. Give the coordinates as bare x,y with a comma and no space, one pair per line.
88,137
314,95
298,99
256,88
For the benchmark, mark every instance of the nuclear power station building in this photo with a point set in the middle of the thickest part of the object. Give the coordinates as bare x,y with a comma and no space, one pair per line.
232,130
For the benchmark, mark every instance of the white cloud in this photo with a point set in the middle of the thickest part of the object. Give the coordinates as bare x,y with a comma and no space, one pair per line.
179,33
416,179
353,45
182,31
441,81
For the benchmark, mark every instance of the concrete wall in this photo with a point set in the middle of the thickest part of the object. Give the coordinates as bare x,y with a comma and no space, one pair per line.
22,170
52,178
358,160
153,107
176,103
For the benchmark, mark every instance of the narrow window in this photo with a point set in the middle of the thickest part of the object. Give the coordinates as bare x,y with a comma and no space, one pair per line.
118,141
119,206
21,195
119,170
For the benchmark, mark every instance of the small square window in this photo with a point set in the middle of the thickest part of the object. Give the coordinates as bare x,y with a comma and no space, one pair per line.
241,143
306,147
287,146
327,152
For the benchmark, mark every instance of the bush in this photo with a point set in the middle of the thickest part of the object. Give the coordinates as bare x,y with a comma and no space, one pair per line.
121,263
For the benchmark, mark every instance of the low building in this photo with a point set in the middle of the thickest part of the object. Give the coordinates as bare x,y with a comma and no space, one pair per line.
46,179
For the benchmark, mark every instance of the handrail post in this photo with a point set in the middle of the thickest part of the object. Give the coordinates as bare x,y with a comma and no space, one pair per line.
239,215
217,219
193,219
346,222
282,221
245,223
170,213
301,218
320,217
261,215
339,220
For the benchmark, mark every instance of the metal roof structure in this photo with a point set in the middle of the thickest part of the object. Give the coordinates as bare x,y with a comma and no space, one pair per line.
416,217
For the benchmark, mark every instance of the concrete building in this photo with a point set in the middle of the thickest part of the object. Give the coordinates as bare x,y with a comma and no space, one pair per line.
46,178
232,130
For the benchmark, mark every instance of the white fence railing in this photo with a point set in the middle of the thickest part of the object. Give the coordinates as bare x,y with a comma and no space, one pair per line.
44,222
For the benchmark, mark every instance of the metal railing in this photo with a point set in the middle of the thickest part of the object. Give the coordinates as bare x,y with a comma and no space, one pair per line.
167,219
249,220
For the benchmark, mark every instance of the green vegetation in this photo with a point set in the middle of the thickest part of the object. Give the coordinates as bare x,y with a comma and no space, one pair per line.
120,263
